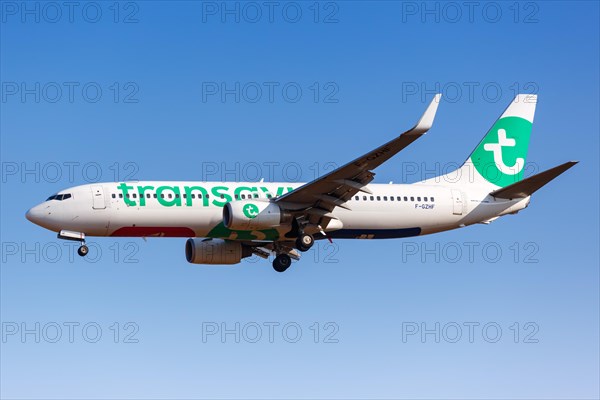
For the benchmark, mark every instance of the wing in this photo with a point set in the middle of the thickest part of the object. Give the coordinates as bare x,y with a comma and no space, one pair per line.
318,198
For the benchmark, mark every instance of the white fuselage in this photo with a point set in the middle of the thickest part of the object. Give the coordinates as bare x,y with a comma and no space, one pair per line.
195,209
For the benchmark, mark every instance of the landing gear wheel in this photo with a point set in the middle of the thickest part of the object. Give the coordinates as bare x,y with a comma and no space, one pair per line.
282,262
82,250
304,242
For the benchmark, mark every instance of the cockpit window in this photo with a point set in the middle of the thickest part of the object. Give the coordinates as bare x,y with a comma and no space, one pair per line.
59,197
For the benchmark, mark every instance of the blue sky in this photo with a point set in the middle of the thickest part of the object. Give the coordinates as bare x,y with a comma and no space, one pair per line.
194,90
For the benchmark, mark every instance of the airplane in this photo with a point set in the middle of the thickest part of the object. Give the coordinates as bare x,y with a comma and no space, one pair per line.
228,221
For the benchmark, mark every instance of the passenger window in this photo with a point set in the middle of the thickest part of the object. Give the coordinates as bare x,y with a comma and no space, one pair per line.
256,195
384,198
243,196
268,196
372,198
170,195
365,198
135,195
114,196
399,198
418,198
432,199
356,198
412,198
162,195
424,198
154,195
378,198
127,195
176,195
120,195
200,196
391,198
405,198
222,196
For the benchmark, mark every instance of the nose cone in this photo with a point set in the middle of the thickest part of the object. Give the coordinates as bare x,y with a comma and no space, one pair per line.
44,215
34,215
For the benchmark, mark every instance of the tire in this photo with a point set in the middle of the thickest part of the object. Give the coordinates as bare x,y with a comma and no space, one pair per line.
83,250
282,262
304,242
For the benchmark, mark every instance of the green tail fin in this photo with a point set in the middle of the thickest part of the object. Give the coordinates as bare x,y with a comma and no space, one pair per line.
500,157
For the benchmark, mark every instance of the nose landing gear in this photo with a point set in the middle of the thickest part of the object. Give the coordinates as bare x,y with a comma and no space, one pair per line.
83,250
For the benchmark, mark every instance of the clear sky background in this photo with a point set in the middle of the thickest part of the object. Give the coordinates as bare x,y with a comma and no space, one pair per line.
147,90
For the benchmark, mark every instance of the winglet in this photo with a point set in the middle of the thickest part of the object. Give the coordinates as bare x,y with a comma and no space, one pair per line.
528,186
426,121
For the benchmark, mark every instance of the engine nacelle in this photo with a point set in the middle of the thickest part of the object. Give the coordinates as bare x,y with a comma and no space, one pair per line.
249,215
215,251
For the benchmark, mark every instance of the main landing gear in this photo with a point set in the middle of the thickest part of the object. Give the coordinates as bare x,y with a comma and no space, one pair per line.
83,250
304,242
282,262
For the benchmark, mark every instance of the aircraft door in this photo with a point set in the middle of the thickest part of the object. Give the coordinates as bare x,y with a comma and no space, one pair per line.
98,201
457,202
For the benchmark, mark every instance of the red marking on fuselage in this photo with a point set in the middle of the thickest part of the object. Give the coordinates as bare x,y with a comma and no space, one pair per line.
148,231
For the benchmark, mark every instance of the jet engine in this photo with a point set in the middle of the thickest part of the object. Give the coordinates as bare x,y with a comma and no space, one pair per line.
249,215
215,251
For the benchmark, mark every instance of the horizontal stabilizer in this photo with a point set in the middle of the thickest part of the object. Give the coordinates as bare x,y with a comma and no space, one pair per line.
528,186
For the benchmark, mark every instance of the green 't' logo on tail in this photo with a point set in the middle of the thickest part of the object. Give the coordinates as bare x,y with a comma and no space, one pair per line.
500,157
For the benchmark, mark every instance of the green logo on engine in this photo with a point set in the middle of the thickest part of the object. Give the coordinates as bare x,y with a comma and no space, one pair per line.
250,211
